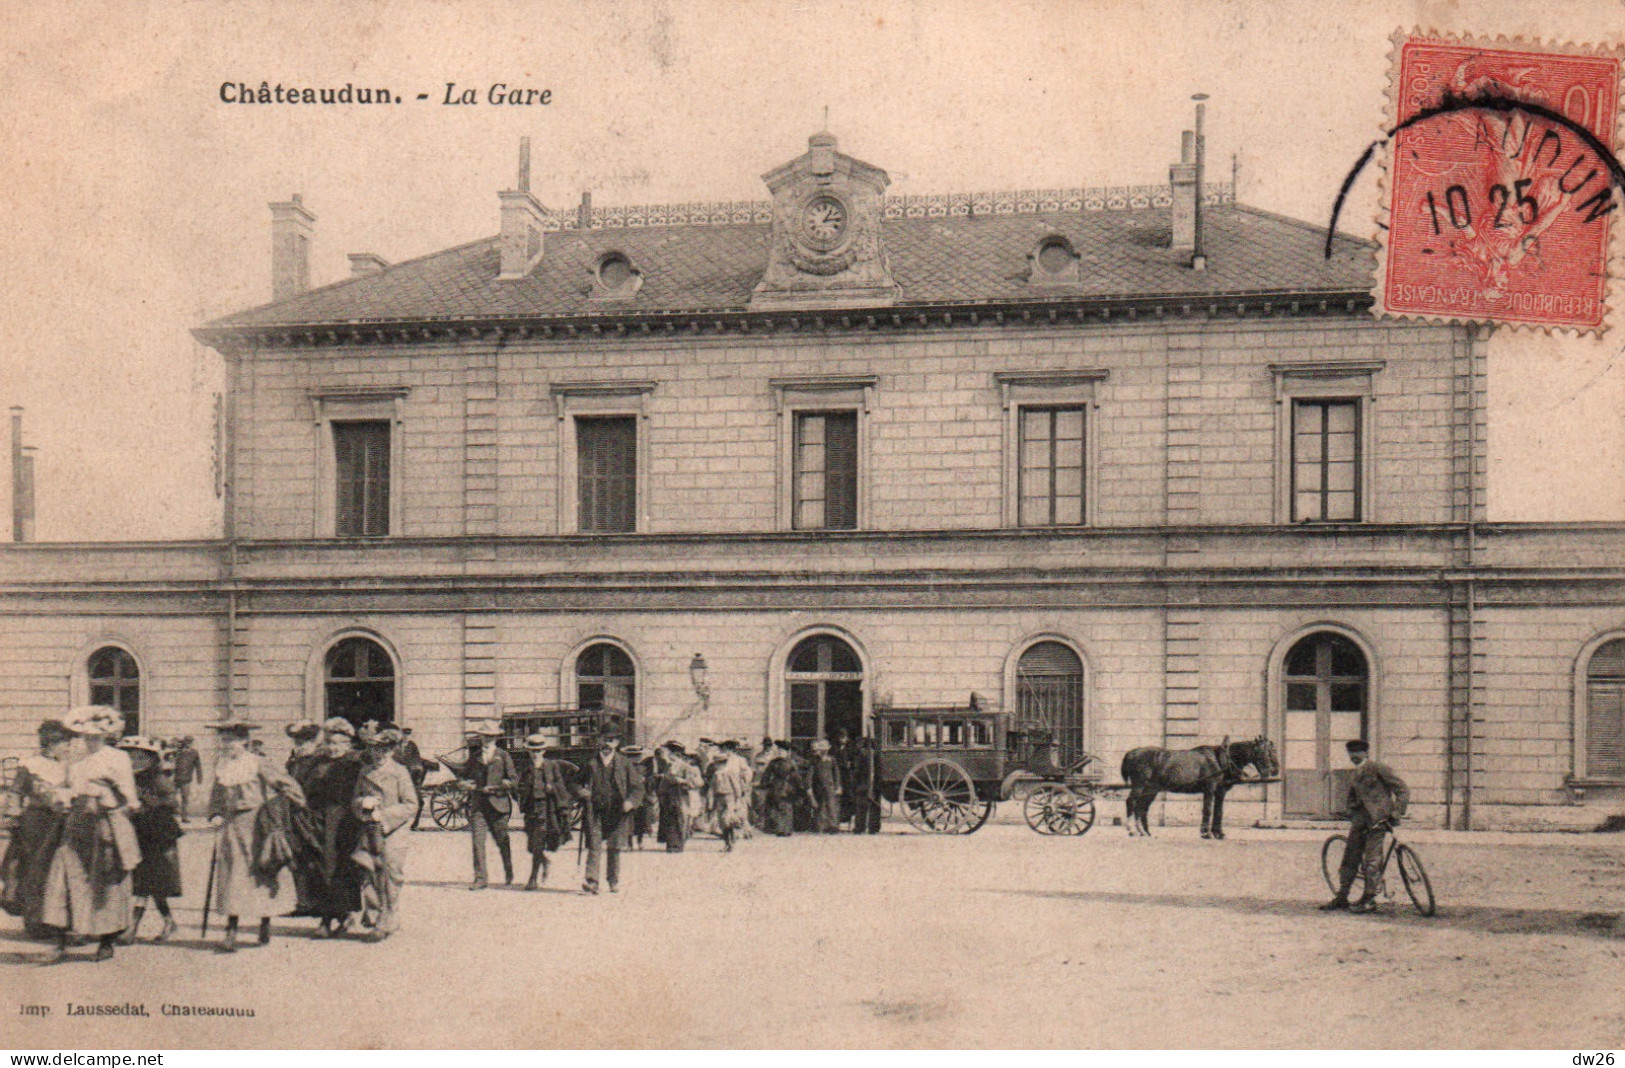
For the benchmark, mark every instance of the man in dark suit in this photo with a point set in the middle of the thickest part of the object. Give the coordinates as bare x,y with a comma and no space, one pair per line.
410,757
489,777
611,789
1376,800
188,770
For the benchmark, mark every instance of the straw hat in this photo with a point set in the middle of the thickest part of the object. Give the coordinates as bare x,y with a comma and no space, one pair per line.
137,741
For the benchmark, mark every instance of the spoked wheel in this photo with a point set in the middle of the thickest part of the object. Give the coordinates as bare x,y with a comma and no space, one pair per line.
448,807
1057,809
937,796
1331,861
1416,879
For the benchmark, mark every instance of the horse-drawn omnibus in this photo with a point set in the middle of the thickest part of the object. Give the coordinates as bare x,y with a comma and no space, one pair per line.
947,767
571,732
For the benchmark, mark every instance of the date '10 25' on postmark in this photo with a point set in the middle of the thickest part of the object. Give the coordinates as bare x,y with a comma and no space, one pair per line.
1502,184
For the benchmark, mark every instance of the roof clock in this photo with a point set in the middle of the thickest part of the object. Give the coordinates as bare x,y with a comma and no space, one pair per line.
827,248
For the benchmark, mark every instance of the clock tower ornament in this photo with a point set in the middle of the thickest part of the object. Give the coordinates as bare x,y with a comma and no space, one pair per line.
826,248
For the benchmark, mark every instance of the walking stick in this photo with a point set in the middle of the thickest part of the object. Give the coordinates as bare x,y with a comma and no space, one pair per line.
208,891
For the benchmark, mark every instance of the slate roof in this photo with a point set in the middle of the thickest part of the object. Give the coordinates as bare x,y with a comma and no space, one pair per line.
936,261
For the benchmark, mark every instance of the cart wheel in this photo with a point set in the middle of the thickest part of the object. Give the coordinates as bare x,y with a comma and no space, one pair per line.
1416,879
575,818
448,807
1057,809
1331,861
938,797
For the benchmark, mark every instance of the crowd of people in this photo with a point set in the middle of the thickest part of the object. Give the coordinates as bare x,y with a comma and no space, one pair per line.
99,815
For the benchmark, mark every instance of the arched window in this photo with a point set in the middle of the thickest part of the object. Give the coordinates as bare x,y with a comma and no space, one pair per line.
1049,690
1326,700
607,679
825,680
115,681
359,679
1605,712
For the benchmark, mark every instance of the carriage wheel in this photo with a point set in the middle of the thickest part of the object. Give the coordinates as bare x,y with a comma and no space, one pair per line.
448,807
937,796
1057,809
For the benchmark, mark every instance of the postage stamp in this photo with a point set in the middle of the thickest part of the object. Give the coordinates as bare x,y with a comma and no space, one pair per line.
1503,183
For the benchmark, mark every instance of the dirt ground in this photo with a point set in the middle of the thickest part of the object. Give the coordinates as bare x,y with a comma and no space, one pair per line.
1003,938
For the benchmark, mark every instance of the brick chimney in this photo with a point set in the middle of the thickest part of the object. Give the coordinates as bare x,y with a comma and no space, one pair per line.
291,228
22,482
365,263
1182,184
522,215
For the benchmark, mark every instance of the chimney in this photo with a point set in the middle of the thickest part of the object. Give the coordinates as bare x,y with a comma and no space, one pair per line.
290,248
1182,184
22,482
1199,253
365,263
521,240
584,212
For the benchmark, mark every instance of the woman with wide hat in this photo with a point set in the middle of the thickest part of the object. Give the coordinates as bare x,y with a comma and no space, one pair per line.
243,784
41,789
87,890
157,830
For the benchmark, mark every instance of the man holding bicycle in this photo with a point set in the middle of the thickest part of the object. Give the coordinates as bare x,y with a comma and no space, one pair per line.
1376,801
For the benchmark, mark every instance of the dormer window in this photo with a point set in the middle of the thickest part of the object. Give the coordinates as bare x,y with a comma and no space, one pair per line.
615,278
1053,262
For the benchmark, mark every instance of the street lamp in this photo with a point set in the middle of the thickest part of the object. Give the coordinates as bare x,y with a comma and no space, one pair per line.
696,675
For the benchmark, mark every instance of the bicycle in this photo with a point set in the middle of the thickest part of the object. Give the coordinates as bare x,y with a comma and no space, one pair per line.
1411,872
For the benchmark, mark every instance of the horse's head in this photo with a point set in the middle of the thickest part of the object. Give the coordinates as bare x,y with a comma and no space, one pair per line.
1259,753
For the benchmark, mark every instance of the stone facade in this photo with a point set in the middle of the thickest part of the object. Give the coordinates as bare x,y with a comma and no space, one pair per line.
1182,594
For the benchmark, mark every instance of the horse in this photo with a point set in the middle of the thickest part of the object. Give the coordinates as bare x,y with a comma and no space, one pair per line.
1209,770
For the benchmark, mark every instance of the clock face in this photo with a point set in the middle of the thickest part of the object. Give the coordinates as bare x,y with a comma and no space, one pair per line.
824,221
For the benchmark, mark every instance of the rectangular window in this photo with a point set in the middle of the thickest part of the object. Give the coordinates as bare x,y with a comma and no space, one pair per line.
826,471
607,479
361,467
1326,460
1049,475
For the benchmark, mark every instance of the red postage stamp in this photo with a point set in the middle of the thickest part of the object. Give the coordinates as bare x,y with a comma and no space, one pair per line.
1503,183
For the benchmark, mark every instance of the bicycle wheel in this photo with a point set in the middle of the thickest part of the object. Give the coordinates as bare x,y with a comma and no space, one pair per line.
1331,863
1416,879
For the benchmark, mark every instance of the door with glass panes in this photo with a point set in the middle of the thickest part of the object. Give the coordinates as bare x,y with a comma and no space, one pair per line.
1327,702
825,681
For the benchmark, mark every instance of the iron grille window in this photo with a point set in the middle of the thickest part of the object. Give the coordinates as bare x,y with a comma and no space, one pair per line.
1049,690
607,467
826,471
1325,460
1605,712
115,681
361,463
1050,475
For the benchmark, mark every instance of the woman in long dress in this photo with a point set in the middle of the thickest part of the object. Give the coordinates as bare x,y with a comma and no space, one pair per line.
244,885
157,830
41,786
87,891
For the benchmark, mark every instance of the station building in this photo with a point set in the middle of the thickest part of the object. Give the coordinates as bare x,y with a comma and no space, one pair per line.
1138,462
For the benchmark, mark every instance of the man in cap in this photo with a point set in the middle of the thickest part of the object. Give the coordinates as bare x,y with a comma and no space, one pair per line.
385,800
489,776
611,790
1376,800
188,770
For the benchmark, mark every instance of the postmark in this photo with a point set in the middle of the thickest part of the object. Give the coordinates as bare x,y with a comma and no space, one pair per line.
1503,183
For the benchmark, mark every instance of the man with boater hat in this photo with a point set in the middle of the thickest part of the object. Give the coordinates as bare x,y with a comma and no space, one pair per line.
611,789
385,799
1376,800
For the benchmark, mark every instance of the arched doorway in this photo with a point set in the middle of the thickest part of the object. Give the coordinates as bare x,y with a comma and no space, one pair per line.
115,681
1326,702
359,680
1605,713
1049,690
606,678
824,678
